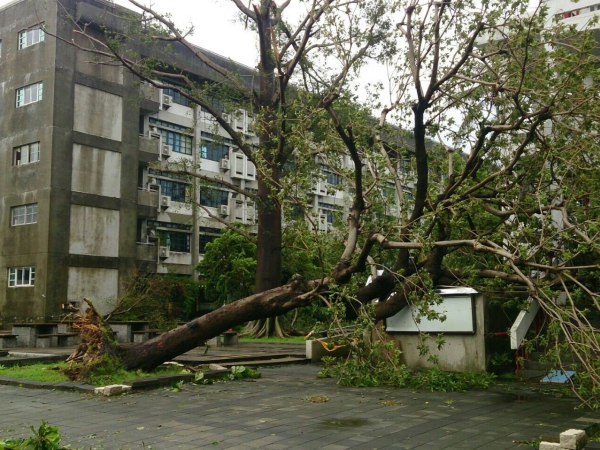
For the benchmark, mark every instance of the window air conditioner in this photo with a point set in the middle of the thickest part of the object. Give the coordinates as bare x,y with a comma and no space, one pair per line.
167,150
225,164
163,252
167,101
250,214
249,128
322,222
165,201
153,134
224,210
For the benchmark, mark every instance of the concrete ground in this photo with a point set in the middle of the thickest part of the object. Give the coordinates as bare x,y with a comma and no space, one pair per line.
276,412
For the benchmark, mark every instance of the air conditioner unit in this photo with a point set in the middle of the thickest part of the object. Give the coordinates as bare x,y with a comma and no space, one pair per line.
163,252
165,201
240,120
224,210
329,226
153,128
322,222
153,134
250,213
167,101
249,128
225,164
167,150
152,180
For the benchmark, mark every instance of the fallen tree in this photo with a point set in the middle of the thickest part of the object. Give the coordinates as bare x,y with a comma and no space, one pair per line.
508,198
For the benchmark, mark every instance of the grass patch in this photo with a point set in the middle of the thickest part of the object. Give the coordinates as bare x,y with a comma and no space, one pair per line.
48,373
275,340
52,373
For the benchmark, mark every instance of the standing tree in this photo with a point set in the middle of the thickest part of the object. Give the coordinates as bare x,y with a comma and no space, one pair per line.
284,47
511,98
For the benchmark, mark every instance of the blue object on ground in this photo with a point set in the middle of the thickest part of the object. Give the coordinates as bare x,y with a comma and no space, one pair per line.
558,376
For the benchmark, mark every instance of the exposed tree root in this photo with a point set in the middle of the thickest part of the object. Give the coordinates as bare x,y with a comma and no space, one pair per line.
97,343
264,328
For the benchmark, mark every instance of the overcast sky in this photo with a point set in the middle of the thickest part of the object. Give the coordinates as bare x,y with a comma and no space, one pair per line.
215,23
216,26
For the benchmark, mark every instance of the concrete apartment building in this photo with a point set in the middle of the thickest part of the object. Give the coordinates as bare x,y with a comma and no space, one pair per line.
82,211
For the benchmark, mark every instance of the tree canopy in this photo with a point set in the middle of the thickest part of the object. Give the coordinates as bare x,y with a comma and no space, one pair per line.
480,167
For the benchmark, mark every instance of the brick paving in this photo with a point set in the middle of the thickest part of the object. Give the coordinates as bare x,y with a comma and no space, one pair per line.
274,413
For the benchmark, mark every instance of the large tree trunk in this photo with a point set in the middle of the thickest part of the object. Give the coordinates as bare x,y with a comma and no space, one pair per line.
150,354
268,268
277,301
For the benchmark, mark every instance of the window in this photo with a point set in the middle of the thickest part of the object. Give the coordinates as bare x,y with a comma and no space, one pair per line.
331,177
213,197
29,94
21,276
215,103
180,242
31,36
213,151
177,191
177,226
24,214
26,154
205,239
177,242
215,137
330,211
404,166
181,143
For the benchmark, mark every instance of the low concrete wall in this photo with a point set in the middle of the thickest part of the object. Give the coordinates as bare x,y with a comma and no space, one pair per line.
460,353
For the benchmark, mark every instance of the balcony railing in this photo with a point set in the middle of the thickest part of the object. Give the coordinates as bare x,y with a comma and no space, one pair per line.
148,197
147,252
149,145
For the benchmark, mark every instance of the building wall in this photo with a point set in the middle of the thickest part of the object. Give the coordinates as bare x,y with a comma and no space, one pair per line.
25,245
102,214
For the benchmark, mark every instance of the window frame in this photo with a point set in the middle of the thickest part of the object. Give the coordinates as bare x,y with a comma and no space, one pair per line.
213,151
20,150
24,35
212,197
180,242
23,92
28,211
205,239
16,276
178,191
177,136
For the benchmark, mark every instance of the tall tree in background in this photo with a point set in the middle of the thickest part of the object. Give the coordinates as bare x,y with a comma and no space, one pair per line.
284,46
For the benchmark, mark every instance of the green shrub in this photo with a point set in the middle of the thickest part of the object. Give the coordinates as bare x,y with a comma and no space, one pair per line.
46,437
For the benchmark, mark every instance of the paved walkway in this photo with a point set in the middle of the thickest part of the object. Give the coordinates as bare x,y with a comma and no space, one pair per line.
274,412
